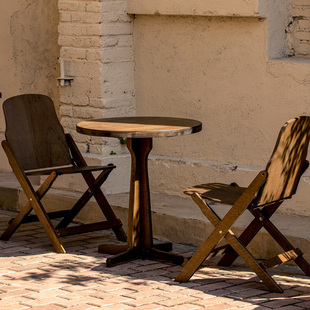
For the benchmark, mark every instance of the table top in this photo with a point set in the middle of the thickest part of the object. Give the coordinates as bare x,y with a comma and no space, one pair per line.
139,127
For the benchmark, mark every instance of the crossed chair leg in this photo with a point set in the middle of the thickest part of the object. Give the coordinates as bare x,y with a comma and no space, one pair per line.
237,246
62,229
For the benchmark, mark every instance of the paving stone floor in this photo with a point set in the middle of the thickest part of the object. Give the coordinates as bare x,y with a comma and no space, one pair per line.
33,276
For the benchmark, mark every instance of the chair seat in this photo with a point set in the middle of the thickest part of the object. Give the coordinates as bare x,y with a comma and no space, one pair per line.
217,192
67,170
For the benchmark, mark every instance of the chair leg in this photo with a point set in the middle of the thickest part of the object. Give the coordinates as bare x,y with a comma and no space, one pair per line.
47,225
222,226
204,251
196,260
248,234
34,200
16,222
303,265
110,215
83,200
99,196
282,241
6,235
222,230
252,263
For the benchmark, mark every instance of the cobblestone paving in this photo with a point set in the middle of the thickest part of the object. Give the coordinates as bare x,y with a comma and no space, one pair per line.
33,276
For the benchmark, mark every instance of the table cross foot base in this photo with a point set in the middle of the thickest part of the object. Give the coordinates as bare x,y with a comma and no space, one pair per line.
120,248
143,253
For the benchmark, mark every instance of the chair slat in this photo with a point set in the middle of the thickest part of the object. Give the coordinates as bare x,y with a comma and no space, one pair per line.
37,141
286,162
67,170
281,259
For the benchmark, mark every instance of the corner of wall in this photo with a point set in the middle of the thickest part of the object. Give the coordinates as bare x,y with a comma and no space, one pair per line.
278,14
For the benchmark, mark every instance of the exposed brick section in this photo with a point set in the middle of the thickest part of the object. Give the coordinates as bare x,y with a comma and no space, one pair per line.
300,29
97,50
33,276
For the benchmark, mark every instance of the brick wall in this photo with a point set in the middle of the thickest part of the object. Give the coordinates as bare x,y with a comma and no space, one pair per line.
300,29
97,50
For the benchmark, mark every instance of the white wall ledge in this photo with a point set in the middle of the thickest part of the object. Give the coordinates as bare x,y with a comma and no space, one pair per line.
293,60
238,8
295,67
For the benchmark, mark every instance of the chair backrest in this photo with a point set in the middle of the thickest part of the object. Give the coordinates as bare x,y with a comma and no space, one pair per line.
34,132
287,160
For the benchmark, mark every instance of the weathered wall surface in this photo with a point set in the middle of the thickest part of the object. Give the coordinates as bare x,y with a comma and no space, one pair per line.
300,28
216,70
194,7
28,52
97,51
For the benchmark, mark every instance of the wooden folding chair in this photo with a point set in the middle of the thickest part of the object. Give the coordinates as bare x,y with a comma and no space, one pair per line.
262,198
37,145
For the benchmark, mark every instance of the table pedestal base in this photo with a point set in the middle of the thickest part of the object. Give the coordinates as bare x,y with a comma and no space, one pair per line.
125,254
140,236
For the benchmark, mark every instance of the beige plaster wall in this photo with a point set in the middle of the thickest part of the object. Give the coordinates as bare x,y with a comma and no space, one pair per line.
28,52
216,70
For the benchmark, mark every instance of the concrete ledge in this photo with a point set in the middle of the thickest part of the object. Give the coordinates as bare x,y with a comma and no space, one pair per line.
174,219
194,7
296,67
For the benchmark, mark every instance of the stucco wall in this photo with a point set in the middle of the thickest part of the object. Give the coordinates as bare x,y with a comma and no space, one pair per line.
28,52
216,70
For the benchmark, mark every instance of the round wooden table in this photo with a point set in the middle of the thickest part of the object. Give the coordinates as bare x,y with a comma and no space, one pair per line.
139,132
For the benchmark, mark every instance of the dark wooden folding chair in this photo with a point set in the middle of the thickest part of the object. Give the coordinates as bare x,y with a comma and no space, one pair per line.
37,145
262,198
